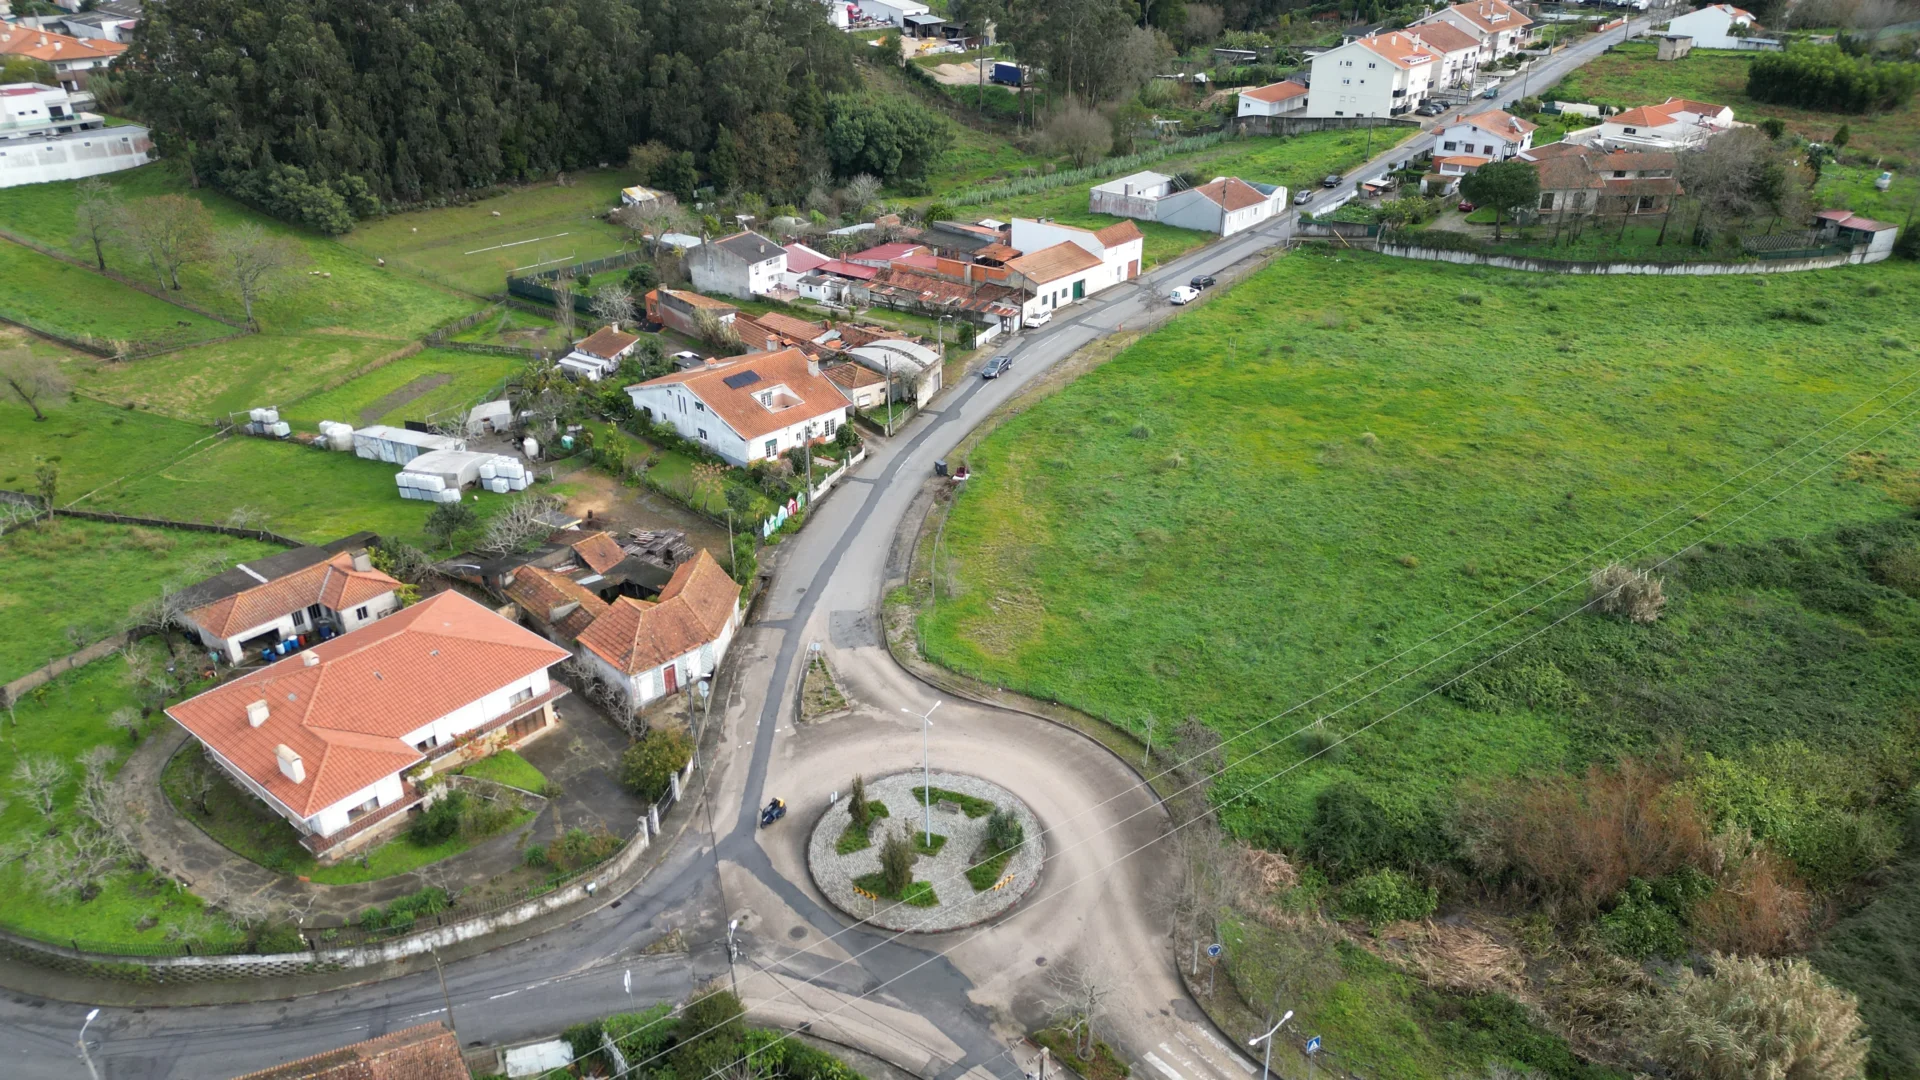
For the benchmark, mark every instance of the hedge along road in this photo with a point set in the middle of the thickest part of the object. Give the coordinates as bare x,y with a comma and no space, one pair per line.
943,1015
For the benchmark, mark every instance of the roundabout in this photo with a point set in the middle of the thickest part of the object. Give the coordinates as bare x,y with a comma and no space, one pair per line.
986,853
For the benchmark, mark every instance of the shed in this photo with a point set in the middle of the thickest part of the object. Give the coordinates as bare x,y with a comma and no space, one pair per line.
381,442
488,418
455,468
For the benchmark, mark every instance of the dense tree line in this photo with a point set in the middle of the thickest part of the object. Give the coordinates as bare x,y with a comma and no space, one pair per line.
323,111
1825,78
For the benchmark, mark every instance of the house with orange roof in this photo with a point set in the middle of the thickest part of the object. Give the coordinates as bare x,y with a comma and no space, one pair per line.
1457,53
327,738
747,408
1224,205
309,593
1499,27
1054,276
679,309
654,648
1273,99
1674,124
1493,135
1380,76
599,354
73,59
428,1051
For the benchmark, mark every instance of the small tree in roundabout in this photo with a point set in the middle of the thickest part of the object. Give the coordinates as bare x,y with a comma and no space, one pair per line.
1504,185
857,807
896,862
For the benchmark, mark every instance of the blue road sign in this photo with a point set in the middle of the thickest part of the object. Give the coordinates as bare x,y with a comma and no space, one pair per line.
1213,950
1313,1045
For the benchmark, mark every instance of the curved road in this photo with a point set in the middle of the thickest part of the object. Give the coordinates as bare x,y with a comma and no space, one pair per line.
940,1005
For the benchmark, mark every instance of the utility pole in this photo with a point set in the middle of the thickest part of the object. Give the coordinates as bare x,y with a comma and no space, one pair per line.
444,996
889,395
81,1042
926,763
1266,1060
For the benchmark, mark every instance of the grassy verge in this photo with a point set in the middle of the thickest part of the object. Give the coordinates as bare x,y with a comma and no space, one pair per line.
856,837
970,806
509,768
916,894
47,617
1103,1065
924,846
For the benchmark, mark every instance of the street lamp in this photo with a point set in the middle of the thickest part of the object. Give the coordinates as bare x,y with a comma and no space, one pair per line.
1267,1058
926,763
81,1042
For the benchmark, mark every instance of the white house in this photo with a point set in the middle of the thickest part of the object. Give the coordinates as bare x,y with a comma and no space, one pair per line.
1225,205
1497,26
1675,124
1493,135
744,265
599,354
747,408
309,591
325,737
1380,76
891,11
43,137
656,648
1273,99
1456,52
1712,27
1136,195
1120,246
913,369
801,261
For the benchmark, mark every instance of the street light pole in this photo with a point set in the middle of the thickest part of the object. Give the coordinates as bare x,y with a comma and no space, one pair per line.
1266,1059
81,1042
926,763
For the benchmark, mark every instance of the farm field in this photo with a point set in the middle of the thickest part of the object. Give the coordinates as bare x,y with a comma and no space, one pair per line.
433,380
47,617
1298,482
469,248
46,293
208,382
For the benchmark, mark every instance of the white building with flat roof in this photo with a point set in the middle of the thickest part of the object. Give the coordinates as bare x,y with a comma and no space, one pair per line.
44,138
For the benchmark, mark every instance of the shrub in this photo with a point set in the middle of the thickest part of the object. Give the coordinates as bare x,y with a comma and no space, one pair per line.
857,807
580,848
1003,832
1351,834
1758,909
647,765
1620,590
1321,743
896,862
439,822
1825,79
536,855
1385,896
1640,926
1749,1017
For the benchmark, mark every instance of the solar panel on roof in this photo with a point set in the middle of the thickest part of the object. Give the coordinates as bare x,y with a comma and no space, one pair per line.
745,378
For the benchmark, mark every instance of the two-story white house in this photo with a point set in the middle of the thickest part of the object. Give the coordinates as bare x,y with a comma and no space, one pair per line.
308,592
1713,26
744,265
653,648
748,408
1493,135
1499,28
1380,76
1120,247
326,736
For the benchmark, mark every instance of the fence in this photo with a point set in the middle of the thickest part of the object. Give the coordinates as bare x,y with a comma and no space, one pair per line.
439,334
34,680
1766,263
490,350
346,947
131,283
530,286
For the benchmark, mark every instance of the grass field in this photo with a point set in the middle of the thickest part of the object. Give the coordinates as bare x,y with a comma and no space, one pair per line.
208,382
48,294
430,381
469,248
63,720
47,616
1308,476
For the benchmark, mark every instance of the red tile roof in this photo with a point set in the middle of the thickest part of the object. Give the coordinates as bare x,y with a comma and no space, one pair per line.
1443,37
1492,15
334,583
739,409
1501,123
694,609
1398,49
539,592
426,1052
787,325
1120,232
345,715
801,258
600,551
853,376
1232,193
49,46
1051,264
1272,92
607,343
1465,161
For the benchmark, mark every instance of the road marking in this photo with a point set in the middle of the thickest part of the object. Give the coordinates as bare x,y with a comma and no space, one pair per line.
1151,1060
1233,1053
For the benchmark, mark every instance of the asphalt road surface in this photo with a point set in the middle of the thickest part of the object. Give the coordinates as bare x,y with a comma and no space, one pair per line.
941,1005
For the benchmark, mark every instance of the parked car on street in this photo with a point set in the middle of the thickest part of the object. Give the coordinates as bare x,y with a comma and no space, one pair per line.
1183,294
1041,319
1303,197
996,367
1466,207
1331,180
1490,92
1202,281
1430,108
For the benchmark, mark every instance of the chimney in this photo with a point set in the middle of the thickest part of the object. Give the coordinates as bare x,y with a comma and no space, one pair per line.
257,713
813,366
561,611
308,659
290,764
362,562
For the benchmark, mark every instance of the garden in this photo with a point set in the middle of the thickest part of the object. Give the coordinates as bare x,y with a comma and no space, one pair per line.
1289,507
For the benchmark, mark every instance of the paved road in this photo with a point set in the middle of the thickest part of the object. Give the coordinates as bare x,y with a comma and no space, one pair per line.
945,1005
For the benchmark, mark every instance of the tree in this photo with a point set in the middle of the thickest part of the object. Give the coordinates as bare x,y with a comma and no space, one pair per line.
1774,127
1081,134
38,777
171,231
651,220
896,861
647,766
33,377
563,306
402,561
252,262
46,482
1842,137
1749,1017
448,518
521,526
720,337
860,192
613,304
891,137
857,807
25,69
1504,185
127,719
97,213
1081,989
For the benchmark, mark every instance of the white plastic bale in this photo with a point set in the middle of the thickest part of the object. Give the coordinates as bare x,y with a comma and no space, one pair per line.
486,470
256,415
449,495
518,483
270,416
282,428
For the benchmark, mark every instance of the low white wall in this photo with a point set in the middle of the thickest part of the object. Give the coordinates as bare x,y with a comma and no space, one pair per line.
1554,266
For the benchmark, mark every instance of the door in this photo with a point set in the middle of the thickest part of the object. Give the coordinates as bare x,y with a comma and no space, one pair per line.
1133,269
672,675
1079,289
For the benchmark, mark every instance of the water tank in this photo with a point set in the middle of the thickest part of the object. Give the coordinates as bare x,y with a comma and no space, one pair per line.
530,448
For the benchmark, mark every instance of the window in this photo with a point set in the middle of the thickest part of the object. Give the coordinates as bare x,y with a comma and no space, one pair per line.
703,434
299,618
1346,82
1633,131
360,612
1646,202
699,406
364,809
427,743
1371,64
1619,174
1488,149
773,447
1450,146
313,612
525,693
1546,200
832,425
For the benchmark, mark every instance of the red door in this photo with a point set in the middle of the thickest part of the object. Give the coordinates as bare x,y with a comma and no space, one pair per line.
1133,269
672,672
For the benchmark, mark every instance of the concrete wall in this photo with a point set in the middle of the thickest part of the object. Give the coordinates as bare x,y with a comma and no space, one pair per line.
1556,266
1294,124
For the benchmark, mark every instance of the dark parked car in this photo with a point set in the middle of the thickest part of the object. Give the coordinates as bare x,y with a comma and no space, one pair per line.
1430,109
996,367
1330,180
1202,281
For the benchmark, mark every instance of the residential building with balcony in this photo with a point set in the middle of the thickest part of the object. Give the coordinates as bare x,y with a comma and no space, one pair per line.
1381,76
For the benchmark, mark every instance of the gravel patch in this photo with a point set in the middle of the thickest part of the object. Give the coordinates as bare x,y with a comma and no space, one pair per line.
959,905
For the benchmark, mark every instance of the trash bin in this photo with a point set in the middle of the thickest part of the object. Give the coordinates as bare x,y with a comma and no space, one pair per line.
940,468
